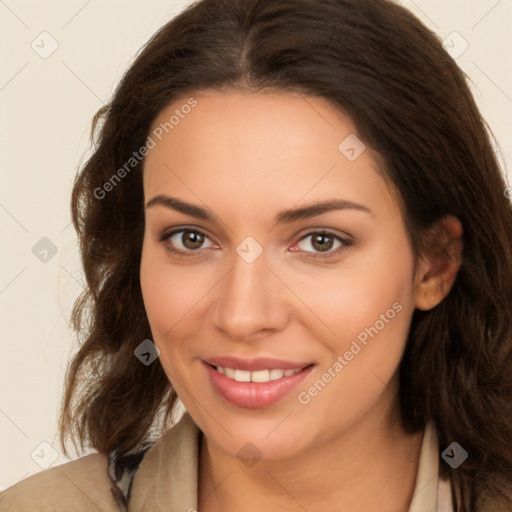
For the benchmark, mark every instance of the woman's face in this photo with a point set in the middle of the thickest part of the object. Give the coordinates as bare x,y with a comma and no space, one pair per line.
251,270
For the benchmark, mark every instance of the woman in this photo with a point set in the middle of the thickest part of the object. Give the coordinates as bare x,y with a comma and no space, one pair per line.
293,221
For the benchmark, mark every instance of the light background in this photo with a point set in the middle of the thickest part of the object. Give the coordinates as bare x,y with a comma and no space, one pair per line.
47,105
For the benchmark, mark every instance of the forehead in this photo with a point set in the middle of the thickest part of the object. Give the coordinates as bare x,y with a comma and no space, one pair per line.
252,125
275,147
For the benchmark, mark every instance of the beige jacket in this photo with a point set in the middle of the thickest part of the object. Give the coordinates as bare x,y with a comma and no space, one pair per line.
83,485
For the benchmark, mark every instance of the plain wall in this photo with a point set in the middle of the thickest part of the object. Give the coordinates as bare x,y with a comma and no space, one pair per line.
47,105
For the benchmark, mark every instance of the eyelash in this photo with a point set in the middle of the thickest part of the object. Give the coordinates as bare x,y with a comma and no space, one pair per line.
318,255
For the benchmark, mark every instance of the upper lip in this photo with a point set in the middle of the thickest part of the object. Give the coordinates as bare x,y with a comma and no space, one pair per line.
258,363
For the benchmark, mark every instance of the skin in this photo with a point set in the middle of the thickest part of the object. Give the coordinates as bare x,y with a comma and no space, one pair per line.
245,157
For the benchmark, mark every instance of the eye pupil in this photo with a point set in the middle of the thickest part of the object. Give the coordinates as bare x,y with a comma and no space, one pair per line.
192,239
322,242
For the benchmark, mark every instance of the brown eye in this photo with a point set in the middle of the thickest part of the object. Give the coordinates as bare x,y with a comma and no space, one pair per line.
184,241
320,244
192,239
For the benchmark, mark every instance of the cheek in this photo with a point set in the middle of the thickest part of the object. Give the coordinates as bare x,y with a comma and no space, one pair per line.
369,308
173,297
374,308
161,293
169,291
363,294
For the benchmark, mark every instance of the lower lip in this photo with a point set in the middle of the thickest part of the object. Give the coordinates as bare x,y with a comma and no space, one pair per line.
254,395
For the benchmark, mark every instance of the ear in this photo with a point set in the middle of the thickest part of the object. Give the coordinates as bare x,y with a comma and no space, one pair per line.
437,270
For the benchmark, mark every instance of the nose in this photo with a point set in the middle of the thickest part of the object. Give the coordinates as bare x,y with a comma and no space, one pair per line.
250,301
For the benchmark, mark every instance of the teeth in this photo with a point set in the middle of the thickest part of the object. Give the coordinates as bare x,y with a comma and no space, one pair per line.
242,376
276,374
260,376
256,376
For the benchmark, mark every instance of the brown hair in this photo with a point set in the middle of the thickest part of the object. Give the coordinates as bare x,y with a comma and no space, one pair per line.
411,103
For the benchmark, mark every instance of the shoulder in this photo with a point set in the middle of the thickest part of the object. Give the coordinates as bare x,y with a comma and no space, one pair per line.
81,485
168,474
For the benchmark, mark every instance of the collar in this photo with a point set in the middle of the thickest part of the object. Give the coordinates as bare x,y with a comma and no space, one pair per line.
162,485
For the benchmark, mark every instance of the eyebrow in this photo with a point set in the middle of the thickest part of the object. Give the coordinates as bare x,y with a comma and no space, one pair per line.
283,217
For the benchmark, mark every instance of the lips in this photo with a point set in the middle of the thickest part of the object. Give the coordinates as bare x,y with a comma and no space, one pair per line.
252,365
234,381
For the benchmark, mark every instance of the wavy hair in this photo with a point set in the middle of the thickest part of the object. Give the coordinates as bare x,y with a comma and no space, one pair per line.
411,103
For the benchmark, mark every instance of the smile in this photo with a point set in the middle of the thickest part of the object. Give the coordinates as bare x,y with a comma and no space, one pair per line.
257,387
256,376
